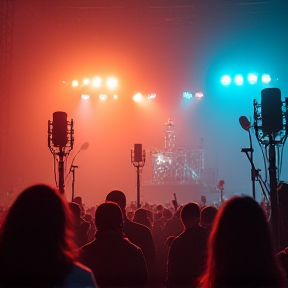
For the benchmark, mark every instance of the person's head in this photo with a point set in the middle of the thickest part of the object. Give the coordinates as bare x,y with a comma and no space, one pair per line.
78,200
167,214
108,216
160,208
157,216
240,250
141,217
36,233
130,215
75,209
140,214
118,197
207,216
190,214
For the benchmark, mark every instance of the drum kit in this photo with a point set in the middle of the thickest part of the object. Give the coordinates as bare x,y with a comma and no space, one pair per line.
176,166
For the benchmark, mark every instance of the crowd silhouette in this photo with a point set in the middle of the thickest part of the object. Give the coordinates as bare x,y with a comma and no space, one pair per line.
47,242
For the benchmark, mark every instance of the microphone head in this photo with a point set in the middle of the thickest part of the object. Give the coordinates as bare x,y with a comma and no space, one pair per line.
244,122
84,146
59,131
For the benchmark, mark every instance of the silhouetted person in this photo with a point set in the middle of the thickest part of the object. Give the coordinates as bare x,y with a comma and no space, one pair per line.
240,249
282,257
207,216
114,260
160,246
78,200
80,226
141,217
173,226
36,249
187,255
138,234
161,232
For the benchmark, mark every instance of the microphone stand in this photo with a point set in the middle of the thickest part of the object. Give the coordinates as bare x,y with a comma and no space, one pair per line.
60,148
72,169
250,158
255,175
138,165
61,182
273,192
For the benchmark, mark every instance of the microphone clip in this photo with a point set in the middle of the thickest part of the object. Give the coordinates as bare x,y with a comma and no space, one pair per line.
245,150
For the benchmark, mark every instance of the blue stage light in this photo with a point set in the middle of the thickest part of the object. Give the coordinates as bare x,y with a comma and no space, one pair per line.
266,78
238,79
187,95
225,80
252,78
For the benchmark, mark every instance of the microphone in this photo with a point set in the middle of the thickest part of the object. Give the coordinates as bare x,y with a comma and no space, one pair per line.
138,158
59,131
137,152
244,122
60,142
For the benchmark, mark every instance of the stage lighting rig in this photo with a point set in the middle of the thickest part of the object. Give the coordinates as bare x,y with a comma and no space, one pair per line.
60,142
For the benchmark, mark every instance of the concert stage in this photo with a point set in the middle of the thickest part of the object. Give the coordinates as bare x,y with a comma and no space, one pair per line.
164,193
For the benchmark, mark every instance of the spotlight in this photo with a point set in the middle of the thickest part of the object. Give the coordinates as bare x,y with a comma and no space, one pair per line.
103,97
199,95
187,95
252,78
111,83
97,82
225,80
115,96
75,83
151,96
137,97
266,78
86,81
238,79
85,96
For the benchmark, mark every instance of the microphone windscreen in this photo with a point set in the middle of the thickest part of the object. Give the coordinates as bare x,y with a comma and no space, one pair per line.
137,152
271,110
244,122
59,132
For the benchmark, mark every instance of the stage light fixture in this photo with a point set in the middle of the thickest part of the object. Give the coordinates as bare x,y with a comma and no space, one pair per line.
85,96
75,83
225,80
199,95
97,82
252,78
103,97
86,81
238,79
115,96
266,78
137,97
111,82
151,96
187,95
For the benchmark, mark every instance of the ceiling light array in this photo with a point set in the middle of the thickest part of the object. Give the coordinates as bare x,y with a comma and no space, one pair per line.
107,89
96,82
239,79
